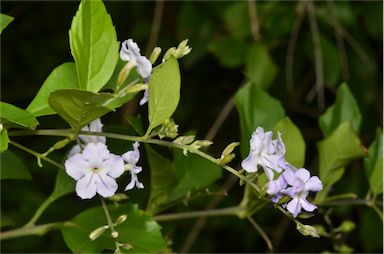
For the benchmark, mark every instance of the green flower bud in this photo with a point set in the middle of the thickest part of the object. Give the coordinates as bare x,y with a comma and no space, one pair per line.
155,54
115,234
97,232
121,219
347,226
184,140
321,230
344,249
307,230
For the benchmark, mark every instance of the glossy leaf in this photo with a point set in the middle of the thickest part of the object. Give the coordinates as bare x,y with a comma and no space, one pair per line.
259,66
4,21
94,45
163,179
164,92
373,164
139,230
12,167
12,116
62,77
293,140
256,108
4,140
344,109
335,153
78,107
193,173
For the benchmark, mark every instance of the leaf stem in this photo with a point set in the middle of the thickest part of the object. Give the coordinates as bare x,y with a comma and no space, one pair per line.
32,230
262,233
39,211
111,225
207,213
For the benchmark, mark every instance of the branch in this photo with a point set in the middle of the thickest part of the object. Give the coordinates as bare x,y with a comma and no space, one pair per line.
155,28
262,233
254,21
32,230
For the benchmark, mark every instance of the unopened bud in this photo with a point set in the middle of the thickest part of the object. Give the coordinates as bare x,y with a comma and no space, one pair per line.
136,88
321,230
118,197
126,246
201,143
97,232
307,230
226,159
155,54
169,52
344,249
115,234
121,219
184,140
125,72
229,148
1,127
347,226
60,144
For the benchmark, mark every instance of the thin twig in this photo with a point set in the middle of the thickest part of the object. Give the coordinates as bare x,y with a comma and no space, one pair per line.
254,21
114,233
220,120
317,54
262,233
292,44
32,230
155,28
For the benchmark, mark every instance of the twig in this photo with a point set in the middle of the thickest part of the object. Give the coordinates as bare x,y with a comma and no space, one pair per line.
291,46
155,28
317,53
262,233
254,21
114,233
220,120
31,230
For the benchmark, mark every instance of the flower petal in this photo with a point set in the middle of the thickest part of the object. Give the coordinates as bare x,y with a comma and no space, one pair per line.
76,167
303,174
96,153
114,166
86,187
306,205
289,177
145,98
294,207
249,164
314,184
144,66
106,185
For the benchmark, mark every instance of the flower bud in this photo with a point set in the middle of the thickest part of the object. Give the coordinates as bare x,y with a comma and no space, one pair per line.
118,197
97,232
155,54
344,249
121,219
184,140
125,72
126,246
321,230
307,230
115,234
169,52
347,226
136,88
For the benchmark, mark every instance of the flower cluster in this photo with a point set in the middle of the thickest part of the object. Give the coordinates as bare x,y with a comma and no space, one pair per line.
295,183
95,168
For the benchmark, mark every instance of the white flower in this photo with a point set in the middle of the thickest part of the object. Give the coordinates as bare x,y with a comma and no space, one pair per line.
131,52
301,184
268,153
131,158
95,170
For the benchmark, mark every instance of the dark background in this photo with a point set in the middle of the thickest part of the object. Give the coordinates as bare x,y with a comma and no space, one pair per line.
37,41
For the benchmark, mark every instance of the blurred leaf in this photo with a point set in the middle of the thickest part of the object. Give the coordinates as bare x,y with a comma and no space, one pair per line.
12,167
4,140
230,51
293,140
163,179
64,185
164,92
259,67
371,231
236,19
12,116
374,28
276,20
139,230
62,77
256,108
94,45
345,108
342,11
78,107
193,173
4,21
335,153
373,164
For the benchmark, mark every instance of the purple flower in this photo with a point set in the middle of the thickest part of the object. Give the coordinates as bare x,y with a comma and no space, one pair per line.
301,184
131,52
131,158
95,170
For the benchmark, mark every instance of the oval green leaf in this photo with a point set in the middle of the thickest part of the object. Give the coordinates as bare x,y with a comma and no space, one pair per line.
12,116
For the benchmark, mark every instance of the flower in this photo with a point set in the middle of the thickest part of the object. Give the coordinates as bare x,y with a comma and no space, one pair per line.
145,98
301,184
95,170
131,52
275,187
131,158
268,153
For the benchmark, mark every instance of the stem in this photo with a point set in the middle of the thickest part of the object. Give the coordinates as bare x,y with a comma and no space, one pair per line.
40,211
188,215
110,224
378,211
155,28
55,132
254,21
32,230
36,154
262,233
338,197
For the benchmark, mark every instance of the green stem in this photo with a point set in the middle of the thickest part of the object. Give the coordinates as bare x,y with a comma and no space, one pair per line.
338,197
47,132
40,211
262,233
110,224
32,230
378,211
188,215
39,156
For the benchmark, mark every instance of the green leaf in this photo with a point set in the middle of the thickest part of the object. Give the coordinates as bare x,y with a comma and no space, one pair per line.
259,67
64,185
163,179
230,51
4,21
193,173
4,140
239,26
94,45
62,77
12,167
293,140
164,92
256,108
12,116
373,164
78,107
345,108
335,153
139,230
